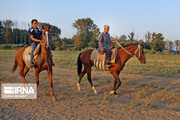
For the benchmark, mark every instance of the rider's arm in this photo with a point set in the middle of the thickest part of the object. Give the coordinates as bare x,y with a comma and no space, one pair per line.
34,39
99,41
100,45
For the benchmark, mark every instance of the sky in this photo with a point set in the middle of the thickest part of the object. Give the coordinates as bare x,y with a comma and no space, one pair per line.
123,16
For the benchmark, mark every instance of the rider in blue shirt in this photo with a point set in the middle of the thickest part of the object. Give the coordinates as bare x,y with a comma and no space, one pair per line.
35,34
104,41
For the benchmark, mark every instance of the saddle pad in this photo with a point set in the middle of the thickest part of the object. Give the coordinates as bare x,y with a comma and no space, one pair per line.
27,54
99,59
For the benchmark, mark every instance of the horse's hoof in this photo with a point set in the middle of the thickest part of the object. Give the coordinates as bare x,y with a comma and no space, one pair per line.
78,87
54,99
95,92
113,93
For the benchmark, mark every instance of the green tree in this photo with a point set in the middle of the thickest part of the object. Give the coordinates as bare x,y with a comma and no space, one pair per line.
177,43
1,33
148,37
8,31
123,37
17,35
55,31
157,42
170,45
55,34
131,36
160,44
87,33
153,41
93,41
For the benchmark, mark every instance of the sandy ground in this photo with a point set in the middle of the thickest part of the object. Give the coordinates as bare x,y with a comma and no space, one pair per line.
72,104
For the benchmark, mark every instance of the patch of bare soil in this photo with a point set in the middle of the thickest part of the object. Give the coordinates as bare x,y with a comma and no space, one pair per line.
139,97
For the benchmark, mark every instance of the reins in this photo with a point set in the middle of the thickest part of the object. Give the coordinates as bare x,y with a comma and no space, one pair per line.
138,48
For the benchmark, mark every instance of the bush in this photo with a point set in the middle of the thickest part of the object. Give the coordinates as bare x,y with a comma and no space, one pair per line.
87,48
146,51
158,52
5,46
57,49
73,49
11,46
152,51
16,46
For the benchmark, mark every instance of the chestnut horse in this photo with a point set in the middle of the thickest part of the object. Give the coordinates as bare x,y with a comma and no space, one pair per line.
123,55
42,62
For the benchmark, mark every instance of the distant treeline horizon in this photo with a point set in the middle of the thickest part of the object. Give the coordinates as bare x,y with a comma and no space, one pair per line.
86,36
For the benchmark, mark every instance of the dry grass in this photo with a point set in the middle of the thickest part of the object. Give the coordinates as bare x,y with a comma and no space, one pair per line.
145,92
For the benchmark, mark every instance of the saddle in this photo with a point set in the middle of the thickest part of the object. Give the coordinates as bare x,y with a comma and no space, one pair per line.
27,54
99,59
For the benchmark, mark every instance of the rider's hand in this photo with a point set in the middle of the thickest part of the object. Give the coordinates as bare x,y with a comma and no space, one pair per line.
115,41
101,50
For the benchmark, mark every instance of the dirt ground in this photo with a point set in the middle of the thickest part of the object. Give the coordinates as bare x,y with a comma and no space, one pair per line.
139,97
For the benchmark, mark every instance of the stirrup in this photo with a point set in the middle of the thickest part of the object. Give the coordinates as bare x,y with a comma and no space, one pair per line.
109,66
32,65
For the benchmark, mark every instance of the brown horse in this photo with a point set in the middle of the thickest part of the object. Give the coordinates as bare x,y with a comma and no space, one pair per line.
43,61
123,55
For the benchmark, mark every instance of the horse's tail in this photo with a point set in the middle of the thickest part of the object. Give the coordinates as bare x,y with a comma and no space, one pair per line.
79,65
14,66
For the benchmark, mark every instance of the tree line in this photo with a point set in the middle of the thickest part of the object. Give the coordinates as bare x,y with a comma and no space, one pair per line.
86,36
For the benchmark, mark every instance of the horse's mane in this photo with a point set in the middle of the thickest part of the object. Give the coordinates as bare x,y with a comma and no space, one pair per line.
128,45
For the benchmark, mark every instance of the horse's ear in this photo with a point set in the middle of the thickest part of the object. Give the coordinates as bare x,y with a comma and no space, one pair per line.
42,26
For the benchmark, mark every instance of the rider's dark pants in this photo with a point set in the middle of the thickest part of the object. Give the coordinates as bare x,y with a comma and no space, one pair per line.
33,46
108,55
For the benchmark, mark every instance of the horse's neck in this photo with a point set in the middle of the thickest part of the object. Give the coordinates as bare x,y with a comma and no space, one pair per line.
125,56
44,51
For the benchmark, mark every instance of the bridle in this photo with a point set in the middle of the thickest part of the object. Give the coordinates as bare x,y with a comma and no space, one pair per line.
138,48
43,38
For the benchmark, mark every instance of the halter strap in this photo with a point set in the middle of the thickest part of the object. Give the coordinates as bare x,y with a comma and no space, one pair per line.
138,48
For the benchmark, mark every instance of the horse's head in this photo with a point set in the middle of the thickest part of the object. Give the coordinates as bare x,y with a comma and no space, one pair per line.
139,53
45,35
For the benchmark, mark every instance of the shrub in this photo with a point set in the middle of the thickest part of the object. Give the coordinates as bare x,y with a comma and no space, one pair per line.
11,46
146,51
16,46
57,49
73,49
152,51
5,46
87,48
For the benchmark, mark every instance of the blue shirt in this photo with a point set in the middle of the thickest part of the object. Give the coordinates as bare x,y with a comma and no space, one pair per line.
35,34
105,40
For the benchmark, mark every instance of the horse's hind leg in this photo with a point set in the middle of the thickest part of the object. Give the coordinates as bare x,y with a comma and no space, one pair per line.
80,77
23,70
90,80
26,70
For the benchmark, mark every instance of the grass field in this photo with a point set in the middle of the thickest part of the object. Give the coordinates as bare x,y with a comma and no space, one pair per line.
148,91
156,64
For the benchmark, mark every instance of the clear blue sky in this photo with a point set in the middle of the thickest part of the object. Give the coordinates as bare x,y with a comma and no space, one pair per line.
123,16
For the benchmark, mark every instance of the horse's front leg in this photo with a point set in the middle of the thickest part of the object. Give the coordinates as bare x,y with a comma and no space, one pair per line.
117,82
37,76
49,71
